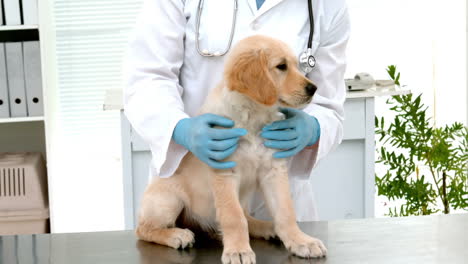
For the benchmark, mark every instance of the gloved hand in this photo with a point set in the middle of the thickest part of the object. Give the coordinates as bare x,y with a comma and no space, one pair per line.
292,134
209,144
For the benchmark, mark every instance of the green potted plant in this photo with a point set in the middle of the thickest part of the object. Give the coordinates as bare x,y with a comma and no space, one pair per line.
426,165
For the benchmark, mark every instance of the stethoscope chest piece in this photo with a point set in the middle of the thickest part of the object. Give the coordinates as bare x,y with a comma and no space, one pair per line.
307,61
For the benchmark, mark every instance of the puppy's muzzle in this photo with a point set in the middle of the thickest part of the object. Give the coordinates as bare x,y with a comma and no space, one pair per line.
310,89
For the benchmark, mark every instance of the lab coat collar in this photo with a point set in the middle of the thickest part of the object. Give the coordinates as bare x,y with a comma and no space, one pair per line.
267,5
253,6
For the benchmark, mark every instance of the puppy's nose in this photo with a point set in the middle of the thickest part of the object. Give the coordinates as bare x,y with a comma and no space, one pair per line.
310,89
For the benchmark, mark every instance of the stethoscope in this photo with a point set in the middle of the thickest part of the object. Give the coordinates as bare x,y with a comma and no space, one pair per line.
306,60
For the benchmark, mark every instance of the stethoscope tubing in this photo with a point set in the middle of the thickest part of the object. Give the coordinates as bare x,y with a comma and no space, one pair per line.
306,56
311,22
197,31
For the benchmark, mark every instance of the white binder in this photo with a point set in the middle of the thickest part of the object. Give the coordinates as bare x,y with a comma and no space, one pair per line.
4,105
30,12
15,76
12,12
33,79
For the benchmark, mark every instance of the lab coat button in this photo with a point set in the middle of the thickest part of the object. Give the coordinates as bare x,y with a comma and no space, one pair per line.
255,26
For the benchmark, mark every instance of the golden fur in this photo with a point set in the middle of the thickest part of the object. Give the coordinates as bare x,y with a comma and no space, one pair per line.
260,75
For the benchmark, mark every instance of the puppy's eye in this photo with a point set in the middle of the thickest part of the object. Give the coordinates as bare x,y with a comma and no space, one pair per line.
282,66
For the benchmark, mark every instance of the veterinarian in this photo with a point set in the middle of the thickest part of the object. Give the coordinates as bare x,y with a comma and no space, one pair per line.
176,56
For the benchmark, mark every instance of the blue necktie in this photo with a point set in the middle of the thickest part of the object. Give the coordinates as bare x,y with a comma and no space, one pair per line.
260,3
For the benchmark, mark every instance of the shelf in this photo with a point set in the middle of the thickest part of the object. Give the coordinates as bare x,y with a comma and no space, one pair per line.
21,119
378,91
18,27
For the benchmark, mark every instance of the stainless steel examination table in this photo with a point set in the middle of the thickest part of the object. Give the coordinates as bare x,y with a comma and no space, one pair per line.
427,239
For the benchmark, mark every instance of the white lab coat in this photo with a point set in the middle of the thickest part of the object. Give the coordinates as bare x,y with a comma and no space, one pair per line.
167,79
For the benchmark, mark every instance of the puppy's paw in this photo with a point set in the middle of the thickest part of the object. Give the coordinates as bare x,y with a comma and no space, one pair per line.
238,257
181,238
305,246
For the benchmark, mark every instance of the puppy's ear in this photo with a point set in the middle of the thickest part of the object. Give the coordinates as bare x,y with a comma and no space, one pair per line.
248,73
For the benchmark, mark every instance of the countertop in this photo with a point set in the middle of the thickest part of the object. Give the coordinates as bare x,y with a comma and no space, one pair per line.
424,239
113,97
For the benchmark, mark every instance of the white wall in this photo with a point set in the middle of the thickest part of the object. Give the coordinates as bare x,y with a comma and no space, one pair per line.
425,39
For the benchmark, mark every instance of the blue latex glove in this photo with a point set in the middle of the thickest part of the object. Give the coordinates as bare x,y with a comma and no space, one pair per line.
207,143
292,134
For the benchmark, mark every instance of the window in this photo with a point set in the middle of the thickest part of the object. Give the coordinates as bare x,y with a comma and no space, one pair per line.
85,43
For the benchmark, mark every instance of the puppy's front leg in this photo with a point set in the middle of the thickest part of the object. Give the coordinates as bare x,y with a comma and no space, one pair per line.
232,221
275,187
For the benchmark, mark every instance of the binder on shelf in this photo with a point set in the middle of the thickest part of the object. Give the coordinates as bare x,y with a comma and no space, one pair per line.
15,77
12,12
30,12
4,101
33,79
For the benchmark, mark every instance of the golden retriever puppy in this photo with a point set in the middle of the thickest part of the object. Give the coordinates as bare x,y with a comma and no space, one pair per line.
260,74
